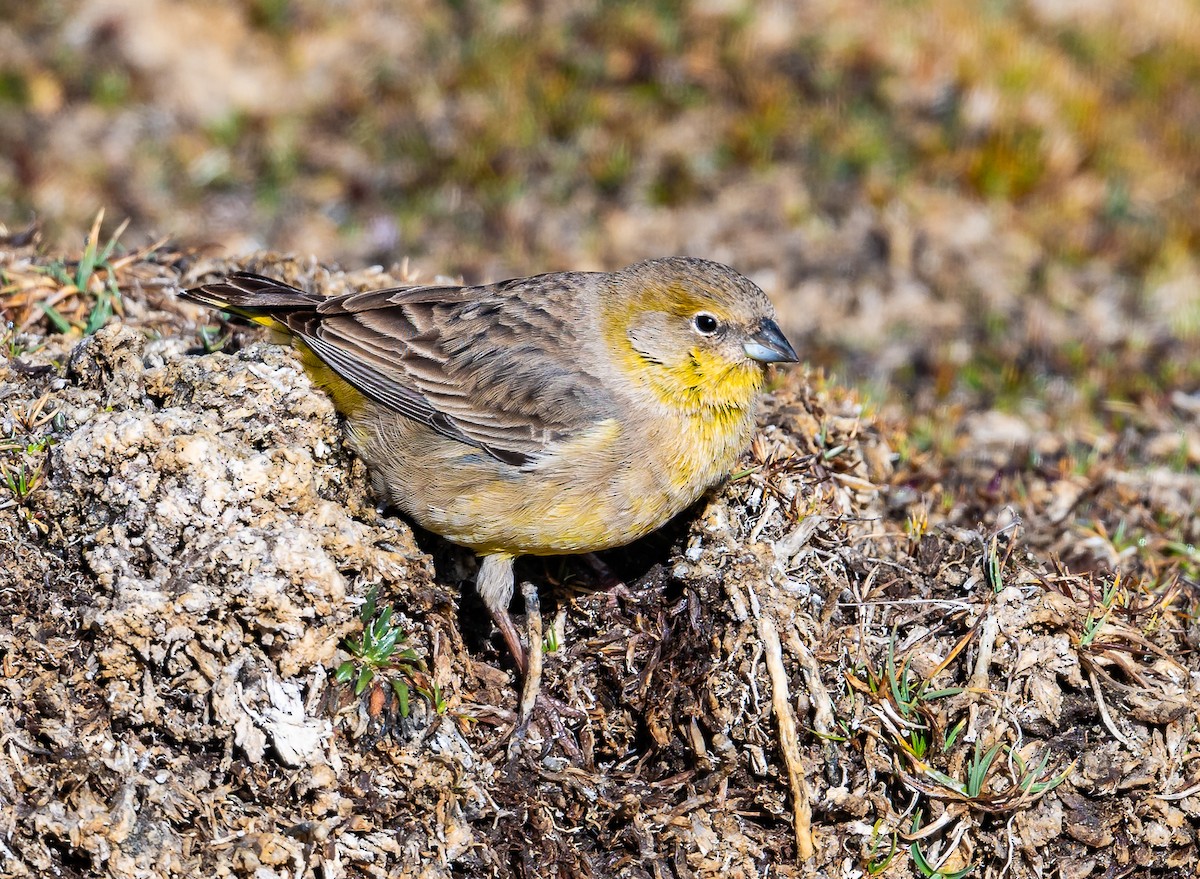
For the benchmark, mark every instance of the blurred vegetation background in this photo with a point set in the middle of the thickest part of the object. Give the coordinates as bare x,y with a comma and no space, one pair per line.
959,204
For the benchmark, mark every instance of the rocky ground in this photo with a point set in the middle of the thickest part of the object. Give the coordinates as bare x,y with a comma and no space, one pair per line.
865,655
942,621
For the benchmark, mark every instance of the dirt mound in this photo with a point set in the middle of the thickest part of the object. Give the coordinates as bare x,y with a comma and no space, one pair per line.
981,651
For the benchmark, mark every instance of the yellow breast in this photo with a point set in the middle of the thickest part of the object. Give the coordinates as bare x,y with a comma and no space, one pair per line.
603,489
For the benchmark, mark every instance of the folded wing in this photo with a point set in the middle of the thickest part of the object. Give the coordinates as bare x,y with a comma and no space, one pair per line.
499,367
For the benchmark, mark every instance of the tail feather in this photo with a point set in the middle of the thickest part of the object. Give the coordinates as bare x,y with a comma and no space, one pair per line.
253,297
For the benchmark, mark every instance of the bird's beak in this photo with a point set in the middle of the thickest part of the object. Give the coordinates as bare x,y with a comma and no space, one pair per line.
769,345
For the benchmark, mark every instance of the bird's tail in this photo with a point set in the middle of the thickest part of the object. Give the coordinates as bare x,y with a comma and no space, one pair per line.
254,298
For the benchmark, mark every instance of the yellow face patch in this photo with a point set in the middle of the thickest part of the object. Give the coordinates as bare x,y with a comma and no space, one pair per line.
700,379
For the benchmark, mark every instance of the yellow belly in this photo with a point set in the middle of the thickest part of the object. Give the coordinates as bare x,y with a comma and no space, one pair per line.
598,491
602,489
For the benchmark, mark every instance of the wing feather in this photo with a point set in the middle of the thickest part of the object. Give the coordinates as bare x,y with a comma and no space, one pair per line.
498,367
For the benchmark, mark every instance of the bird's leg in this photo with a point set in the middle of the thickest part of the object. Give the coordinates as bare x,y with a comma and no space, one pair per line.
495,584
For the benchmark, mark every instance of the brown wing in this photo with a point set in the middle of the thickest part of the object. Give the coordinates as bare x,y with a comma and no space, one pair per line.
499,367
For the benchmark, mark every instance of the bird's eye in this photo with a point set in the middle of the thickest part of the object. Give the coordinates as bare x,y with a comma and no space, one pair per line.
705,323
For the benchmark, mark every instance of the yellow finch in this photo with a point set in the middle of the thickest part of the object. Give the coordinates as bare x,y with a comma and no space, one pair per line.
563,413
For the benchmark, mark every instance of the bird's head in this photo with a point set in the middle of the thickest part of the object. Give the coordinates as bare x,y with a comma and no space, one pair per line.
696,332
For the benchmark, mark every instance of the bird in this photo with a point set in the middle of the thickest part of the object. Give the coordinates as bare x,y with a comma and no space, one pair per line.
558,414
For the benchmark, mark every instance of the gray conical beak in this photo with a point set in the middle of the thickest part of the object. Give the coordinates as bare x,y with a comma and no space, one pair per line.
769,345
